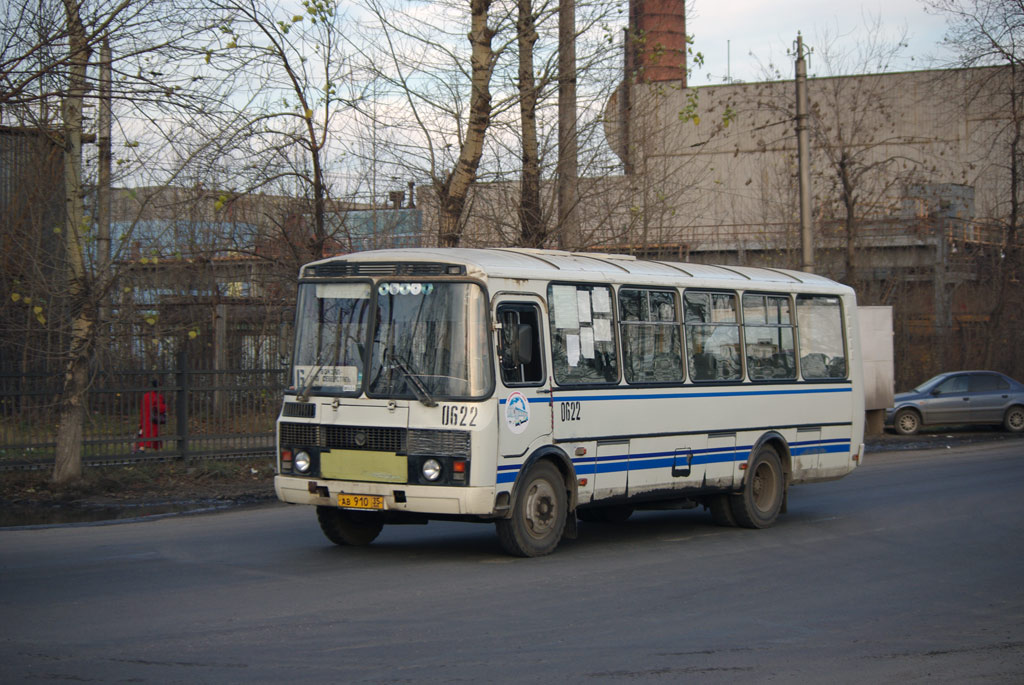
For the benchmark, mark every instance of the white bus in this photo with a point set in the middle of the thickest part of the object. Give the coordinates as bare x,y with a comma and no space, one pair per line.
533,388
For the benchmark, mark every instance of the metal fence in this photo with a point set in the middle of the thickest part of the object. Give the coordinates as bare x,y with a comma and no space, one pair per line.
210,414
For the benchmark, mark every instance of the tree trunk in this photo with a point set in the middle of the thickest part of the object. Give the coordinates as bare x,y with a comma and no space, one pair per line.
67,466
567,168
319,191
531,227
68,458
452,192
850,207
1000,336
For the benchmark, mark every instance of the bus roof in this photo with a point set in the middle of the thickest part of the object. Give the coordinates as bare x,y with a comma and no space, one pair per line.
525,263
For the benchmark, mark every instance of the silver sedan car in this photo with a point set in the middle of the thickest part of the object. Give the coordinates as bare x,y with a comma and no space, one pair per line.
960,397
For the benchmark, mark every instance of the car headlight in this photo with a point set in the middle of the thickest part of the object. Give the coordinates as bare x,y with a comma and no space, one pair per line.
302,461
431,469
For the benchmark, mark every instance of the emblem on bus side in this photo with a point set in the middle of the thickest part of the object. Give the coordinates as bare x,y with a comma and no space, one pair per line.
517,412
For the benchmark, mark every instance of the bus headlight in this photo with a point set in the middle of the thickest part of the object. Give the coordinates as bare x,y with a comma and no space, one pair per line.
302,461
431,469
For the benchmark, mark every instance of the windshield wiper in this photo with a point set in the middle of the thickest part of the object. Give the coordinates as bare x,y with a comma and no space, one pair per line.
318,365
303,394
418,388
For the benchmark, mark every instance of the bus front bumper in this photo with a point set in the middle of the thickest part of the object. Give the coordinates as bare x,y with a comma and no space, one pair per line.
422,499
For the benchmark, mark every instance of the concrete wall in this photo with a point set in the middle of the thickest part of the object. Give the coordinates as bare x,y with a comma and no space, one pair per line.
715,167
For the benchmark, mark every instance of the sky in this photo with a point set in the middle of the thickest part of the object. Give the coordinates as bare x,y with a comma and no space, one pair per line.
728,31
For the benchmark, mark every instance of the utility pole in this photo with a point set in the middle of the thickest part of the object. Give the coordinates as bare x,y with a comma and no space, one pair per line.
803,160
568,221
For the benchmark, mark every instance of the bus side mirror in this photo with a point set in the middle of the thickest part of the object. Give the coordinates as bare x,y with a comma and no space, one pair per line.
522,351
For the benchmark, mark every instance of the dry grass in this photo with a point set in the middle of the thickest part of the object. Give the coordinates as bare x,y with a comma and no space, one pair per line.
146,483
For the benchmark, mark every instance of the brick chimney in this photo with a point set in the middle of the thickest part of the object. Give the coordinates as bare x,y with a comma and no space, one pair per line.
657,46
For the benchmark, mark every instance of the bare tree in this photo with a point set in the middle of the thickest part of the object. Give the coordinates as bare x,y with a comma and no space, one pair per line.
69,428
439,66
854,128
295,71
57,65
991,33
531,225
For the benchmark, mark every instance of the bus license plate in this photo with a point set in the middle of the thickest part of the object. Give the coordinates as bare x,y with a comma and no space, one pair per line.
360,501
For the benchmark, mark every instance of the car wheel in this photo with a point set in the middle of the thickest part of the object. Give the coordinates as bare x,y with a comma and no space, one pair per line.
907,422
1014,419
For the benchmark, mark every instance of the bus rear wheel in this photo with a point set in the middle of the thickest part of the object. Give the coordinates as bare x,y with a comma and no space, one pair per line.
344,527
721,510
538,515
760,501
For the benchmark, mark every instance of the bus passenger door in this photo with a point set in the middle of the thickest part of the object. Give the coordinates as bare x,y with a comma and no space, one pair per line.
524,396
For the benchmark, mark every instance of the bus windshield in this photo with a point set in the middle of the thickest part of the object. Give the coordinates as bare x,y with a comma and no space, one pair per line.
330,341
430,342
427,341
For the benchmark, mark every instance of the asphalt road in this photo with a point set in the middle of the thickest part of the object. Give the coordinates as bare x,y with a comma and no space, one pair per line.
910,570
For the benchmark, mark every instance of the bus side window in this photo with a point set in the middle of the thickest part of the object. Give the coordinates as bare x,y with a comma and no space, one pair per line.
582,334
650,334
768,334
519,345
819,319
712,336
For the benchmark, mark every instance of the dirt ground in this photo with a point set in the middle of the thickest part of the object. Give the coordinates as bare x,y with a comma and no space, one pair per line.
105,493
30,498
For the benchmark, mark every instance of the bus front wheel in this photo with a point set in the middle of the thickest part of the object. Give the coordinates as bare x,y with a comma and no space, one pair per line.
538,515
344,527
760,501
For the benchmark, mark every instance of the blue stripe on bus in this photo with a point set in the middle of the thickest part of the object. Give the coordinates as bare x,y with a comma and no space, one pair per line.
646,461
683,395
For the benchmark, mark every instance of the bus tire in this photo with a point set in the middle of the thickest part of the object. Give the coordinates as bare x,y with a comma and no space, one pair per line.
348,528
721,511
759,503
1014,419
538,514
907,421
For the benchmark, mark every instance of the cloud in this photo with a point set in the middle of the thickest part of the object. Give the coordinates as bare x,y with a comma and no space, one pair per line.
727,33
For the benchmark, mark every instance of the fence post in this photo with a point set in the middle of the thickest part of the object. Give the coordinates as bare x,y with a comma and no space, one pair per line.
220,358
181,402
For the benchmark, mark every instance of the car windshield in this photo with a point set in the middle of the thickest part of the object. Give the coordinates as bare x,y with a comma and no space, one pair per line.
928,384
427,341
